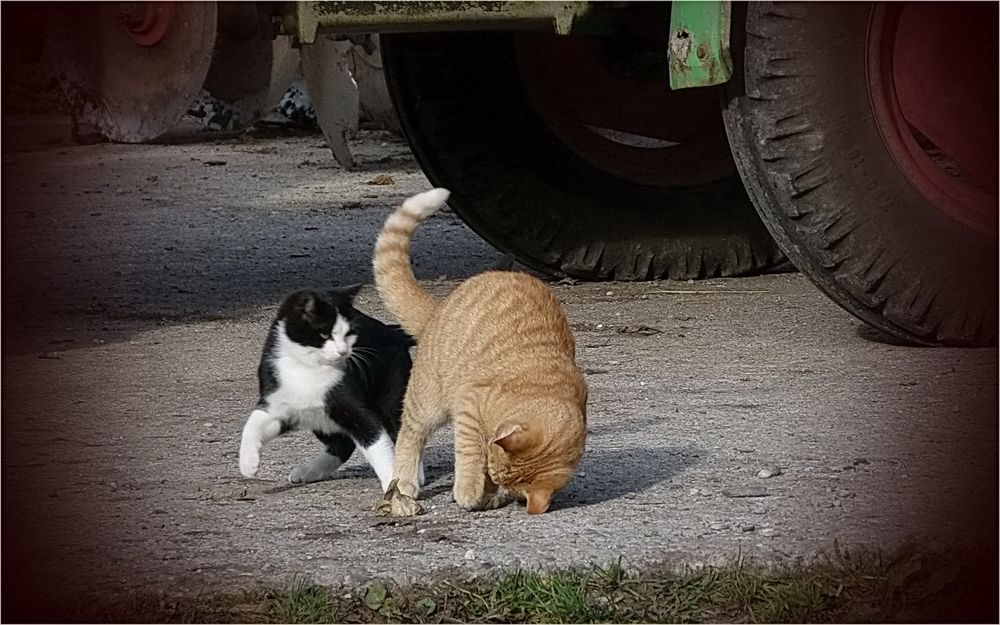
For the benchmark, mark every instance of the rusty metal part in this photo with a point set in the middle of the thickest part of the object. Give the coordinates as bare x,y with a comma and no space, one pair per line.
306,19
373,93
699,43
334,93
129,91
249,71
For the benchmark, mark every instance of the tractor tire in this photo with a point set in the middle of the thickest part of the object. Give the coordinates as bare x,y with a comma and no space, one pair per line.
844,155
475,128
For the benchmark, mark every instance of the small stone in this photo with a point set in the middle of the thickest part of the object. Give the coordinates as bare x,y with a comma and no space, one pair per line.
836,503
208,424
600,325
694,491
769,471
690,281
610,293
719,526
860,461
746,491
747,528
470,555
768,531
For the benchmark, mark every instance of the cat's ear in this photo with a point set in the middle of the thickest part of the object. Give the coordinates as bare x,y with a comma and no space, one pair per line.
347,293
305,305
511,437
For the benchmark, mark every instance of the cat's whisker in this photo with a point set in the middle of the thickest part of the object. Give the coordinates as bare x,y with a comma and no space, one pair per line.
360,364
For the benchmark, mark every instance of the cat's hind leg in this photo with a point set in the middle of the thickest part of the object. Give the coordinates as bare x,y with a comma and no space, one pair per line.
423,414
261,428
339,448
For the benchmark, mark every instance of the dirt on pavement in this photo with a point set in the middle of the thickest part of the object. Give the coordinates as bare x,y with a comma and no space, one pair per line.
138,282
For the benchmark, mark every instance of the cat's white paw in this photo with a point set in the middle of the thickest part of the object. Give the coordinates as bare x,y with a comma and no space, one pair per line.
249,463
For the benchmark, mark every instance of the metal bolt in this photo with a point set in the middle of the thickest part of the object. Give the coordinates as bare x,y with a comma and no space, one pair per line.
702,51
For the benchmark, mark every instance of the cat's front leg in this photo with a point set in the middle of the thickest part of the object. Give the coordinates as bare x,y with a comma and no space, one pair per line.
473,490
260,429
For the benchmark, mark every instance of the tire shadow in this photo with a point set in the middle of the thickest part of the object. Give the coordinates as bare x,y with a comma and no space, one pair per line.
607,474
874,335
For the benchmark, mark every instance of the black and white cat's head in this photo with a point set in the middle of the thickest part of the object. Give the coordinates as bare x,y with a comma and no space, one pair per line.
317,325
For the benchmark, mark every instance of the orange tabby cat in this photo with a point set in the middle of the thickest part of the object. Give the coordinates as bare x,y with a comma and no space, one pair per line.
497,357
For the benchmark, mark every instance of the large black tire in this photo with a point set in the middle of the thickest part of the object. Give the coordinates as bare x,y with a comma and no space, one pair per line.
801,125
473,129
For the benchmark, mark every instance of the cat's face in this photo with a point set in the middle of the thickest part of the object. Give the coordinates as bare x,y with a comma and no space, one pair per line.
320,322
533,461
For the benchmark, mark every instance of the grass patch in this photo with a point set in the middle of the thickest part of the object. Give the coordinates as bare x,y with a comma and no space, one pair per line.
841,587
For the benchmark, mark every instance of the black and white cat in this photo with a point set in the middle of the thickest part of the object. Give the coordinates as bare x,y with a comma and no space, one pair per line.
332,369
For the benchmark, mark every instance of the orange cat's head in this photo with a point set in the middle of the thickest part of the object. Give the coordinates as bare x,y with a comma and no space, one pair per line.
534,459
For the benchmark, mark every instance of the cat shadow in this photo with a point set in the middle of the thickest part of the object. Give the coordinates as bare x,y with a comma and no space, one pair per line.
608,474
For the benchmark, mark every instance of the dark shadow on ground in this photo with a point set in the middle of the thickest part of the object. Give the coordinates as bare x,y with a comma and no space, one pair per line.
606,474
873,334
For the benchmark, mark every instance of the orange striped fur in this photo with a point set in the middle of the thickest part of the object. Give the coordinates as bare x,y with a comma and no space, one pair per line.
497,357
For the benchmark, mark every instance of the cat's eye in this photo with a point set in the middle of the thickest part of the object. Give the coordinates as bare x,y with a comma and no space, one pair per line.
325,336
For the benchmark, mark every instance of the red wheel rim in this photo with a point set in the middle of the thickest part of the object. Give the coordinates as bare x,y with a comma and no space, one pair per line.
147,23
634,127
932,84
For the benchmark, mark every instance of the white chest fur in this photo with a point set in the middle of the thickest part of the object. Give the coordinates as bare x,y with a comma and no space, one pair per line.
304,379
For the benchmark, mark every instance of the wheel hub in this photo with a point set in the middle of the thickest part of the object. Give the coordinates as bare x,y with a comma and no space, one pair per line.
608,98
932,83
147,23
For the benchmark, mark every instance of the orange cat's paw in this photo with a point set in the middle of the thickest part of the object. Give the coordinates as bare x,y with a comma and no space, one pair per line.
499,499
395,503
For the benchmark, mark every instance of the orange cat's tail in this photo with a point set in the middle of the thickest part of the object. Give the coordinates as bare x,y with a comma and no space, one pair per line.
411,304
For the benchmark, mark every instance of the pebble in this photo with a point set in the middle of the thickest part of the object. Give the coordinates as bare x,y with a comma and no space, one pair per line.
470,555
858,461
768,531
610,293
747,491
694,491
748,528
769,471
600,325
719,526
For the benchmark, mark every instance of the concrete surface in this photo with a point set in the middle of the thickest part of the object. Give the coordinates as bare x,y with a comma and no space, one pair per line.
138,282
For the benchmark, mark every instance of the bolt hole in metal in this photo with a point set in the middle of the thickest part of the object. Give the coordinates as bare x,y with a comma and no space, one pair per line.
938,118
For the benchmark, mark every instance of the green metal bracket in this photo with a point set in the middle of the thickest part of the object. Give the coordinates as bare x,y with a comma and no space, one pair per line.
699,43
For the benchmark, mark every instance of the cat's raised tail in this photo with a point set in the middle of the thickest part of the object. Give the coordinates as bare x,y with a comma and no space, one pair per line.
394,278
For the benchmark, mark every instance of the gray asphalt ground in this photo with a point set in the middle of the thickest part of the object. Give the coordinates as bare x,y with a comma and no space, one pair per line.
138,282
